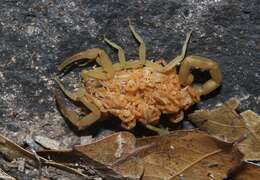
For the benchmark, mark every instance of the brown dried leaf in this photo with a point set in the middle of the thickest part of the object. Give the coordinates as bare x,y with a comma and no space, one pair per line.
227,125
108,155
109,149
132,168
251,145
112,149
246,171
83,163
222,122
187,155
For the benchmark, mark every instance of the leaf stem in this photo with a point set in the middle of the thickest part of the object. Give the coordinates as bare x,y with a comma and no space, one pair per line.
198,160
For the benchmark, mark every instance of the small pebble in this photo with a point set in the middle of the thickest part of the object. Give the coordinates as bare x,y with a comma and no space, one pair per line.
47,142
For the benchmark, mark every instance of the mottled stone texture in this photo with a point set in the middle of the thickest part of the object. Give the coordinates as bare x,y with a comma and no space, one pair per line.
38,35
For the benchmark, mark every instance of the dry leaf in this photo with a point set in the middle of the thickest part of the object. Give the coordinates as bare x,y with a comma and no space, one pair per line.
108,155
187,155
222,122
132,168
83,163
112,149
246,171
251,145
181,154
226,124
109,149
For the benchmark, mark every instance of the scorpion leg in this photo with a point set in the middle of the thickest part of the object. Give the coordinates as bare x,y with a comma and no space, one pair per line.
74,118
179,58
104,60
204,64
159,131
121,53
155,66
92,54
69,94
142,48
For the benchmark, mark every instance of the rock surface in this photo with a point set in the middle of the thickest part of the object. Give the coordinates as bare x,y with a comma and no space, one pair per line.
38,35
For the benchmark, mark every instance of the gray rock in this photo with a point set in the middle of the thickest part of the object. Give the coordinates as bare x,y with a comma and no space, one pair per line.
38,35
